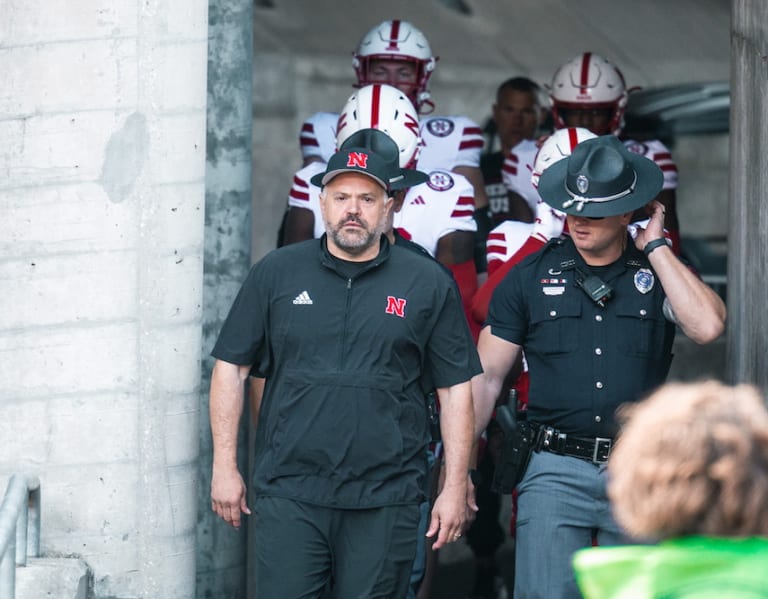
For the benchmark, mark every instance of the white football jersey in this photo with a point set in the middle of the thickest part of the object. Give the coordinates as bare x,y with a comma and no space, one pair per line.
660,154
517,169
447,142
431,210
505,240
318,136
305,195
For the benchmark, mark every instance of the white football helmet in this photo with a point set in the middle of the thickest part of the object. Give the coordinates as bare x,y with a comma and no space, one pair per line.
397,40
549,222
589,81
557,146
385,108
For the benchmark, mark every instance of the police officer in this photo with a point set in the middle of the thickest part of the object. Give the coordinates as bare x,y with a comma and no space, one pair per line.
596,314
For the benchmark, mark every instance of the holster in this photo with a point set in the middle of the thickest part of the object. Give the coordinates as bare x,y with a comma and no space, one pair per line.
519,439
433,413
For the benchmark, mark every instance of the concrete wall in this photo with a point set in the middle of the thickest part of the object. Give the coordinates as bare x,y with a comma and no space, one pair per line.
221,550
101,200
748,243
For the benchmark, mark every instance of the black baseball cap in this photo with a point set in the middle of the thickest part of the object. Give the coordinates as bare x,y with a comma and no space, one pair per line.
370,152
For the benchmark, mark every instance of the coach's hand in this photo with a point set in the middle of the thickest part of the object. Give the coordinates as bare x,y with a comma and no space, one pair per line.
228,495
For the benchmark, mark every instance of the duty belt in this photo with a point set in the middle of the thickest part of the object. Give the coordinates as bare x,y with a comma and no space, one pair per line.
592,449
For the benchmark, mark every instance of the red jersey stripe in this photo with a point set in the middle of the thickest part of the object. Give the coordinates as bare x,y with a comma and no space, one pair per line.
299,195
477,143
308,141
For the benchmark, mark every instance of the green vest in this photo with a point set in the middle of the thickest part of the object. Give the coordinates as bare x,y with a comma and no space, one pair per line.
688,568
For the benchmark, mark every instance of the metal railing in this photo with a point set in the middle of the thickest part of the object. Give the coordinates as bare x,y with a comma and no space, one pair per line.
19,529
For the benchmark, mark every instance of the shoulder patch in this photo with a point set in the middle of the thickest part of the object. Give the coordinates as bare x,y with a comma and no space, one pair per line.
637,147
440,127
440,181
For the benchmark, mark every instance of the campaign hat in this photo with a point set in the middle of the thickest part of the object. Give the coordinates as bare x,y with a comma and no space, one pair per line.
600,178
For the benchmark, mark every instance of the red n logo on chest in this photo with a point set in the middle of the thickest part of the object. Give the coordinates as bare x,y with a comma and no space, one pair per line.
396,306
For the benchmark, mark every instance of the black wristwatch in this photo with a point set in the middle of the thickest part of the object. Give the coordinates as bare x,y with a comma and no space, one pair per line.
475,477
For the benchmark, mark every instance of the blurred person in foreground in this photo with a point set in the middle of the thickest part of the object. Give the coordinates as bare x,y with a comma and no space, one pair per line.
689,471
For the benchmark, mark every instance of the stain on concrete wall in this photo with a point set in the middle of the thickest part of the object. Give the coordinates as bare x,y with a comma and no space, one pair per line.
124,158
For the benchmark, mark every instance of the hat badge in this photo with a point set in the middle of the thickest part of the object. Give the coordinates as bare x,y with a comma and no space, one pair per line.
582,184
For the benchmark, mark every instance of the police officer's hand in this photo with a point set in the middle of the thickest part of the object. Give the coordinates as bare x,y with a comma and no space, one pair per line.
655,227
449,514
228,495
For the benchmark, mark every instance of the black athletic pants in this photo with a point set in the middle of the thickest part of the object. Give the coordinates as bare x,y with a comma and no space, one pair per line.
301,548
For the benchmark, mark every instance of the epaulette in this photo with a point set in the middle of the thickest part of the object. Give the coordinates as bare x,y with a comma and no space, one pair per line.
554,242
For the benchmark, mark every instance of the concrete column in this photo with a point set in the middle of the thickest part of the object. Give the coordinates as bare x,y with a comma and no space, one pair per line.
748,209
101,199
221,550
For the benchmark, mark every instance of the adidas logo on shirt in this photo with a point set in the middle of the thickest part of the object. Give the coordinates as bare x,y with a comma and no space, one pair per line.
303,299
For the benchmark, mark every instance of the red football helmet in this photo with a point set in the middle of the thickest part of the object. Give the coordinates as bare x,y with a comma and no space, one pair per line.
589,82
398,41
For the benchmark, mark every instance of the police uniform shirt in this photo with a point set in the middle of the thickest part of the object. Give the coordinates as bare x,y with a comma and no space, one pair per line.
343,421
584,360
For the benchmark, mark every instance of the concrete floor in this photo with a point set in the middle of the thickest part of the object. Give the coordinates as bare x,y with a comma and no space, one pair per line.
454,576
455,571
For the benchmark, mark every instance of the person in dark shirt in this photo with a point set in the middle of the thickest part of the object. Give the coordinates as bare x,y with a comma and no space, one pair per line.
596,313
347,330
517,113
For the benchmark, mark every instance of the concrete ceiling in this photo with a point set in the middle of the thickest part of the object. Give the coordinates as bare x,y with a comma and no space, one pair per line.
655,42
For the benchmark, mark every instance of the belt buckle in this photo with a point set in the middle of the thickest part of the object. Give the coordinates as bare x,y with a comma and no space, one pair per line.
547,432
596,451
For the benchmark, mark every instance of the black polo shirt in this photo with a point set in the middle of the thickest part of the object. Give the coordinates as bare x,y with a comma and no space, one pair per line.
584,360
343,420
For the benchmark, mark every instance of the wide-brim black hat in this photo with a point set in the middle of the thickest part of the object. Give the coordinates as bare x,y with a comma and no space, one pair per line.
371,152
601,178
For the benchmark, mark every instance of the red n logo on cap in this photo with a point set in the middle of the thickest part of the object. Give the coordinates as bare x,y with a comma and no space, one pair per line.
396,306
357,159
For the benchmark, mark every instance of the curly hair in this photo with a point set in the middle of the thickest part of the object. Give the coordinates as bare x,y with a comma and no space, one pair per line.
692,459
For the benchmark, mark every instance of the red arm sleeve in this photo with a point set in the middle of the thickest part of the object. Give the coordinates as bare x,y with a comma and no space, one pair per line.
481,299
465,274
